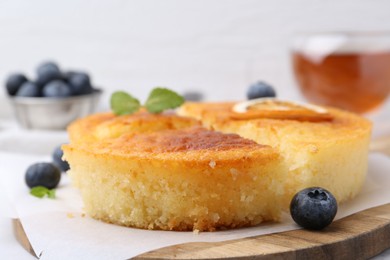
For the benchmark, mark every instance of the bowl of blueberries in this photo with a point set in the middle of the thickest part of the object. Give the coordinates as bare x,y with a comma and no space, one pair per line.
54,99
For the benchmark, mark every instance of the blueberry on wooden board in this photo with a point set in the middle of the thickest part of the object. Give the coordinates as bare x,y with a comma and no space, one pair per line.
313,208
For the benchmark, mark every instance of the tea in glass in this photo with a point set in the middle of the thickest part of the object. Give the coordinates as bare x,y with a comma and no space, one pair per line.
349,71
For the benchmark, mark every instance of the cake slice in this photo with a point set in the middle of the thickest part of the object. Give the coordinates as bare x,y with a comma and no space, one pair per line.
167,172
331,152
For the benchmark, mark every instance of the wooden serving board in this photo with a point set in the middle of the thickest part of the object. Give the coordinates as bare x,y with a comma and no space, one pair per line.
359,236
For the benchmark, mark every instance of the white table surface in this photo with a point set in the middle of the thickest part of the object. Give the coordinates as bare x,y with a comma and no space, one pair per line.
9,246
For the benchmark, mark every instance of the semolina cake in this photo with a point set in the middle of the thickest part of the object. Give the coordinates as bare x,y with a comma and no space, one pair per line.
209,167
167,172
331,153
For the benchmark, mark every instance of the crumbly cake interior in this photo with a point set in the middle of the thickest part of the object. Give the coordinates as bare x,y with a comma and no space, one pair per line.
183,177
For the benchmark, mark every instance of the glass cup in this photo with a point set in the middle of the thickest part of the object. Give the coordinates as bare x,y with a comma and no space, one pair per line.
348,70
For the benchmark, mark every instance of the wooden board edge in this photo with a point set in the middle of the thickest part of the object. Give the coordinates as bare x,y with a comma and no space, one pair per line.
358,236
21,237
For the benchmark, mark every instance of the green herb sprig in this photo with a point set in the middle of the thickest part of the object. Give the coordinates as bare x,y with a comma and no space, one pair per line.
40,192
159,99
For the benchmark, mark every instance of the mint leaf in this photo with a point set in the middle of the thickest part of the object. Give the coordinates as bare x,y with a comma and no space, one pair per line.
161,99
40,192
123,103
51,194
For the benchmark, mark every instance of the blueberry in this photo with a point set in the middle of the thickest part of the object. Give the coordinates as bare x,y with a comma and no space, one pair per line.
43,174
260,89
57,159
313,208
79,82
56,88
68,74
29,89
193,96
47,72
14,82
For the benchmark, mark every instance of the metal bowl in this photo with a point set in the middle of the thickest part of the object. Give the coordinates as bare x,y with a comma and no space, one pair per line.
53,113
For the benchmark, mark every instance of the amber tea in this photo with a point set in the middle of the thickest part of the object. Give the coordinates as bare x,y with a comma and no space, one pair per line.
357,81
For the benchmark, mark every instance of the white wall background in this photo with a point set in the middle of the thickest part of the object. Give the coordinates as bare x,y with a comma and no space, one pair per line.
215,46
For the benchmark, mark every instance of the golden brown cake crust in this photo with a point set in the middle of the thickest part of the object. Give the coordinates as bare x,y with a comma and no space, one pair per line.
109,126
160,135
221,113
196,138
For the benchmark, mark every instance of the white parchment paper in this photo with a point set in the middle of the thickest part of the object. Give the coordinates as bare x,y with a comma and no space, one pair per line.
58,229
